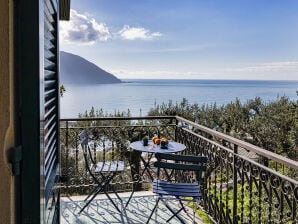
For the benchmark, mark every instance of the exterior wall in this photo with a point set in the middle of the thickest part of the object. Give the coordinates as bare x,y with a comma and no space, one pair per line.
6,111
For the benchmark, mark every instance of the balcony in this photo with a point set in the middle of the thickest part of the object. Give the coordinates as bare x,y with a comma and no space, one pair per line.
243,184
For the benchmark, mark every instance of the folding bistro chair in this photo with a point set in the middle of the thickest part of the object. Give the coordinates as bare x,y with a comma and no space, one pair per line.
101,172
179,178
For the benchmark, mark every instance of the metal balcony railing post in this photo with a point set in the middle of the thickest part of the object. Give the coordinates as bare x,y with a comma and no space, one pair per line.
176,129
77,154
235,216
66,147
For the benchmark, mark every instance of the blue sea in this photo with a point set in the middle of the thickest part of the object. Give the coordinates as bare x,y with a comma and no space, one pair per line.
139,95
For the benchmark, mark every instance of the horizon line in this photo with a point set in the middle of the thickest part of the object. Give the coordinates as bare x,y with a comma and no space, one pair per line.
296,80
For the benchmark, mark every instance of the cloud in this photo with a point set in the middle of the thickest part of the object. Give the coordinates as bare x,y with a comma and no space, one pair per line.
264,71
286,66
134,33
160,74
82,29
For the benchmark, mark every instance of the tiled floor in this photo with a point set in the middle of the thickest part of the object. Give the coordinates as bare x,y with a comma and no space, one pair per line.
101,210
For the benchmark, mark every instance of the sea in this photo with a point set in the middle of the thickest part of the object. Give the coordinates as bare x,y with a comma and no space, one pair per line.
140,95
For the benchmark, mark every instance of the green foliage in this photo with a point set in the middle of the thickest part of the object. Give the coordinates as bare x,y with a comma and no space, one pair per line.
204,217
101,113
274,126
62,90
242,203
249,204
200,213
270,125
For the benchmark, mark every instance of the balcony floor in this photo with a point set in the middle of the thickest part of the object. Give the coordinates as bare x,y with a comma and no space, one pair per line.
101,210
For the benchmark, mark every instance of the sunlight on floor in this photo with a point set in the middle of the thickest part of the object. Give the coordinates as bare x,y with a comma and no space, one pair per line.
101,210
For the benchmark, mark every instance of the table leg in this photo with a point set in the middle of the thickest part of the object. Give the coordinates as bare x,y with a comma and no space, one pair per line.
146,166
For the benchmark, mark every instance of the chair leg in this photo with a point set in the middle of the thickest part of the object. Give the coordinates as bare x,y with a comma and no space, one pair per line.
146,165
158,199
116,193
100,186
97,190
82,209
174,213
94,190
109,197
107,194
182,206
194,216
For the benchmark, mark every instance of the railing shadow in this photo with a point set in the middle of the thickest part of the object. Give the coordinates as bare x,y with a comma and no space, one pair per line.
101,210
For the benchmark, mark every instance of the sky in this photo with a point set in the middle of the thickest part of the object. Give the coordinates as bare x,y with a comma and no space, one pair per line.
186,39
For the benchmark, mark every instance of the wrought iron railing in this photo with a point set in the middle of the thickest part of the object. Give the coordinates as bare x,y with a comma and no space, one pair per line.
110,137
244,183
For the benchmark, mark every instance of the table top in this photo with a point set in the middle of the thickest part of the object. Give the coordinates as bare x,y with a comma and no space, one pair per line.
173,147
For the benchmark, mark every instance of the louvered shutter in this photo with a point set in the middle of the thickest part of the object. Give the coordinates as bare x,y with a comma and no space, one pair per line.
51,112
37,86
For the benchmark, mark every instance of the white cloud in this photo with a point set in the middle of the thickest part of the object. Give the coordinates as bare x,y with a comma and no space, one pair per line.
282,70
286,66
82,29
134,33
159,74
265,71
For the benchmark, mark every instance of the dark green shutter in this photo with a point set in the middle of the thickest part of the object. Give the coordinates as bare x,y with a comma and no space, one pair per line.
51,112
37,88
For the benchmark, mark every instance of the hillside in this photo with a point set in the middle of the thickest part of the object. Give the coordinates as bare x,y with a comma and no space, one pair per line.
77,70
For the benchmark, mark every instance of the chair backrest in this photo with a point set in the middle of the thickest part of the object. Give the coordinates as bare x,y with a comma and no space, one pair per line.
181,163
109,162
86,150
83,138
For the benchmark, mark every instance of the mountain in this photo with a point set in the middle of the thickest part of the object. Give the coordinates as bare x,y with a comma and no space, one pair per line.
77,70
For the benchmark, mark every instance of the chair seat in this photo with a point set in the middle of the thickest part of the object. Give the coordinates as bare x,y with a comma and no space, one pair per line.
109,166
176,189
